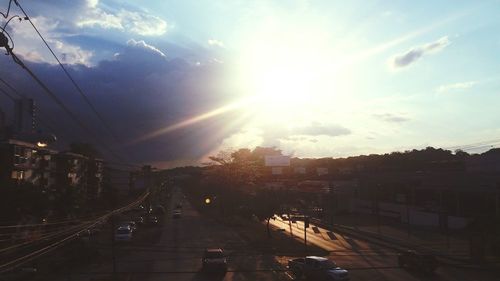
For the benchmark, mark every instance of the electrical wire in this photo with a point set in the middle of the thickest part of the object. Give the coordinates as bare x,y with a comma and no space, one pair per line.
41,120
60,103
82,94
6,15
14,263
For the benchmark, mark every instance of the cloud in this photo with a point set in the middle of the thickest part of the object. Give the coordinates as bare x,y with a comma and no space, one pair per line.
318,129
144,45
388,117
214,42
142,23
92,3
127,21
415,53
137,91
456,86
99,18
25,37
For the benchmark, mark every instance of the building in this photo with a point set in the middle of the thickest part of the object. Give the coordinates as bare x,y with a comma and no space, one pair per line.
16,159
321,171
44,168
24,115
121,181
300,170
3,121
95,174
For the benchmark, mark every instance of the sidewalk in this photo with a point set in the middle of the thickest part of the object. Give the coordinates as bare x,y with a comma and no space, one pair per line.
454,247
452,244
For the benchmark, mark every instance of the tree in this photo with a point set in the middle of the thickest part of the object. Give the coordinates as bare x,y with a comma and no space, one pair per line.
265,206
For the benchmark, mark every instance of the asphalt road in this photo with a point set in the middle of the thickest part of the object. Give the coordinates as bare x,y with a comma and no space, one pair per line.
173,251
366,261
175,248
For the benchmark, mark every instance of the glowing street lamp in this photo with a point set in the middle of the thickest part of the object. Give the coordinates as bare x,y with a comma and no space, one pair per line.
207,201
41,144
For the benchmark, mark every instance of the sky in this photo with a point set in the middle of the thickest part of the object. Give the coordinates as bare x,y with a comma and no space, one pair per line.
180,80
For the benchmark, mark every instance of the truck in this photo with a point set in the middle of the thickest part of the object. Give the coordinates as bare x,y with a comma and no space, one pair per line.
317,268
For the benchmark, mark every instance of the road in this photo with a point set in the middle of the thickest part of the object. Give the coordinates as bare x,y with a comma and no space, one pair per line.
177,252
173,251
366,261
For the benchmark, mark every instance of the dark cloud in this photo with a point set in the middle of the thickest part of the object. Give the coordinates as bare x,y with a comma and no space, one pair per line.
415,53
388,117
138,91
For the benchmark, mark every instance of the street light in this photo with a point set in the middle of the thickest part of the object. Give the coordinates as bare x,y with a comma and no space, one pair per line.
207,201
41,144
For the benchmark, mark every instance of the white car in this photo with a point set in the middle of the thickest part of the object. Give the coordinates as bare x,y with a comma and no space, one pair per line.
131,224
123,234
317,268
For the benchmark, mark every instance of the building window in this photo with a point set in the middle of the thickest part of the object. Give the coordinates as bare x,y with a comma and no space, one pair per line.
17,175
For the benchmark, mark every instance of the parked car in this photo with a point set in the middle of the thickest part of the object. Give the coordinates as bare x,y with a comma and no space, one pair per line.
123,234
177,214
317,268
214,260
139,220
414,260
131,224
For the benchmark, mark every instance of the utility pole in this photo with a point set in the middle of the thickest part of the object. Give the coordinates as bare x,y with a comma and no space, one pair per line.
306,225
407,200
113,257
444,217
378,207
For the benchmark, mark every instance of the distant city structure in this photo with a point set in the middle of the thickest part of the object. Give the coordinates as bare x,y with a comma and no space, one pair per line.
24,115
26,158
3,122
277,161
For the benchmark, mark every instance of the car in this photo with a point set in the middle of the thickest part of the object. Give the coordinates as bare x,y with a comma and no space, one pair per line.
177,214
214,260
139,220
123,234
317,268
131,224
151,220
414,260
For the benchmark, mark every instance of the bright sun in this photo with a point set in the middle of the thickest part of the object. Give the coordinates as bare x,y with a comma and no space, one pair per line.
282,72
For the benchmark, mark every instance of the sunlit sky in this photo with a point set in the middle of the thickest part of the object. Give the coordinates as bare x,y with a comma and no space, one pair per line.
314,78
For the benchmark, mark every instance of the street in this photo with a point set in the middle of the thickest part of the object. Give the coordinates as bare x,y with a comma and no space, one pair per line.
173,250
177,253
367,261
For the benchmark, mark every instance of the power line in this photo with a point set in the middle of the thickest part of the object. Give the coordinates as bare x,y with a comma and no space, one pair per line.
13,89
14,99
6,15
7,94
58,101
82,94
